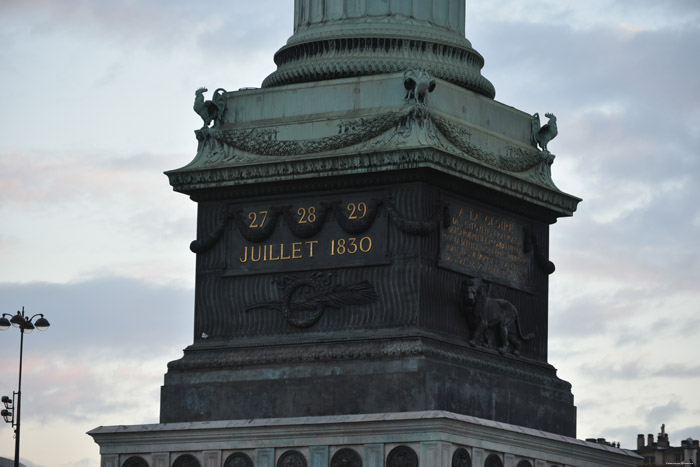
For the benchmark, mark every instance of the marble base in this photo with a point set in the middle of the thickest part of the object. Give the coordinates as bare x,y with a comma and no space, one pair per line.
435,437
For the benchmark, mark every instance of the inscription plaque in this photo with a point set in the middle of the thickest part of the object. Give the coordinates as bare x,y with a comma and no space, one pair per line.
307,234
484,244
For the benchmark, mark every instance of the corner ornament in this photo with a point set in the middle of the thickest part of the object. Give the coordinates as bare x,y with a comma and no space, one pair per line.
418,84
542,135
210,110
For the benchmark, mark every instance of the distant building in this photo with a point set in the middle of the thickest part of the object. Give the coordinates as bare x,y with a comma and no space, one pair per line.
662,453
5,462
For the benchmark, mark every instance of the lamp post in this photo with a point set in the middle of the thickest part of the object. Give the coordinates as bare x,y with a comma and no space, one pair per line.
12,411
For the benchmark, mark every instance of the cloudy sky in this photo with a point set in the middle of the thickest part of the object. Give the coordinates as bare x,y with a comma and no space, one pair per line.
97,98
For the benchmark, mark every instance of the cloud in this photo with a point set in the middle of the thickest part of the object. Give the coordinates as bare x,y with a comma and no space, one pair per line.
153,23
101,315
73,204
664,412
105,352
636,368
130,21
57,179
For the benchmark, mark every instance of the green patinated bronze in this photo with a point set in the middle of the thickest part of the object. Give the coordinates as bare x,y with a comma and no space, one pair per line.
371,202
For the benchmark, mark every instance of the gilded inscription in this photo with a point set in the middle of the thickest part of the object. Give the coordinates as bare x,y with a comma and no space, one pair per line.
276,251
485,245
306,235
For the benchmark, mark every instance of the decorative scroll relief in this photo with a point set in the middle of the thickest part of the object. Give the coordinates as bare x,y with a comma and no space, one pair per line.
305,236
481,243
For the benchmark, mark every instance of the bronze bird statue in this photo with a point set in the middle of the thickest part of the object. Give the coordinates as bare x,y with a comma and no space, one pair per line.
546,133
213,110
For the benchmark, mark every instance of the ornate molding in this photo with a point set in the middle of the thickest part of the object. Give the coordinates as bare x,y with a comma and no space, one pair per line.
364,30
332,58
524,185
211,356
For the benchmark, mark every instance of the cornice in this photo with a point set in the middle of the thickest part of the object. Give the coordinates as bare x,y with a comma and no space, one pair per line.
190,180
223,357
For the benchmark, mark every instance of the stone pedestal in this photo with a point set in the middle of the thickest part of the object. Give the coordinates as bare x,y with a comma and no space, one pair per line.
339,223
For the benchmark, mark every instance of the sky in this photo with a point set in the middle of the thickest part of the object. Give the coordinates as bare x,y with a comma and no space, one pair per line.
97,103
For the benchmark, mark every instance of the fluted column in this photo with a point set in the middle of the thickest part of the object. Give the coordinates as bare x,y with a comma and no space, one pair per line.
444,14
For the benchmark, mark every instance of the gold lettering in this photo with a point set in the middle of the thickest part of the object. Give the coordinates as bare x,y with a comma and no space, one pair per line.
311,244
272,258
296,250
282,252
357,211
365,247
245,255
307,216
253,216
485,242
341,246
252,254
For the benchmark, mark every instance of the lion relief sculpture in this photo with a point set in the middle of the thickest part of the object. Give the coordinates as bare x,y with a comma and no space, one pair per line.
492,314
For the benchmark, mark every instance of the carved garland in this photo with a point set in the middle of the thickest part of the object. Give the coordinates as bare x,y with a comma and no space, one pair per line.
264,142
351,132
357,226
414,227
531,244
352,227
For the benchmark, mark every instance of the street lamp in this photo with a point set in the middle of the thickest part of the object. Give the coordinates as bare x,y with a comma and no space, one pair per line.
25,324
